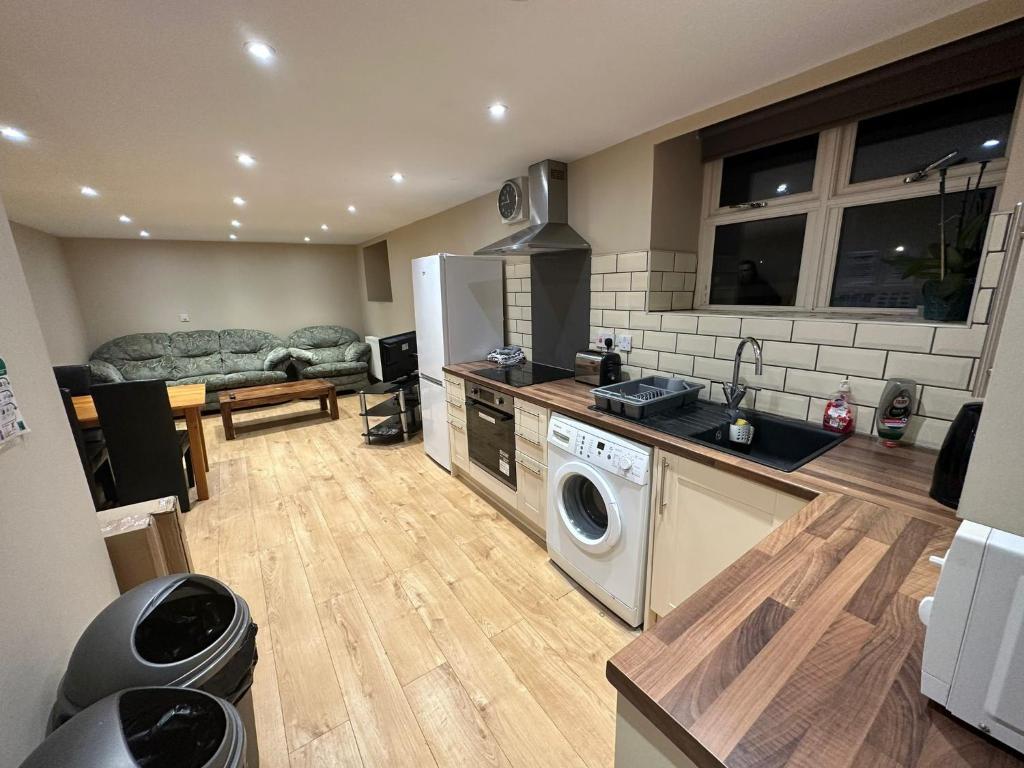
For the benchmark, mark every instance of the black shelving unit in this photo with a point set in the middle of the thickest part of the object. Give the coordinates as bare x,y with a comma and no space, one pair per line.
400,411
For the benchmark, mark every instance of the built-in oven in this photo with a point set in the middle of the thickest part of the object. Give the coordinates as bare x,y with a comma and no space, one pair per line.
491,432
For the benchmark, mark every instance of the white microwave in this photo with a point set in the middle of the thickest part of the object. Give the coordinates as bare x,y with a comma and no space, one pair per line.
973,661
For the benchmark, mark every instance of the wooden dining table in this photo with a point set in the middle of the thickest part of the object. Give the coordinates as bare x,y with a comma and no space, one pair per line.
186,400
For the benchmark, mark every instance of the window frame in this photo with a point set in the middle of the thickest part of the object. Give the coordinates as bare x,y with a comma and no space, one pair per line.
831,194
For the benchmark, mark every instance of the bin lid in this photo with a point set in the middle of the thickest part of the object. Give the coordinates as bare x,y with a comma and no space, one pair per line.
152,727
174,630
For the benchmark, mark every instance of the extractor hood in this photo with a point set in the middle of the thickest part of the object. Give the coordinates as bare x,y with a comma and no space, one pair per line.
549,229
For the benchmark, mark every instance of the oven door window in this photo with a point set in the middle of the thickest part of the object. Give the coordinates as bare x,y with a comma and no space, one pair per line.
492,441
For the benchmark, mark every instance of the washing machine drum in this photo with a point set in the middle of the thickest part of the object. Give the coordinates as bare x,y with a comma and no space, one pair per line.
587,508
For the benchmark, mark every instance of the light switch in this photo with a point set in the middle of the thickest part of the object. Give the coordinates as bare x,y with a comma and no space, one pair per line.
625,342
183,317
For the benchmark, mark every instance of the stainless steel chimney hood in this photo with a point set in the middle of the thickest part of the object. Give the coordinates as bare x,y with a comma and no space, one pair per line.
549,229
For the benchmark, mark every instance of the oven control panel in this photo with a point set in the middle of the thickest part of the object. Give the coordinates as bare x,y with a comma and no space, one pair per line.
606,451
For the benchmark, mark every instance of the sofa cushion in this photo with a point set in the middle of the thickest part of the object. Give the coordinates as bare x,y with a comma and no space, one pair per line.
196,353
139,356
245,349
103,372
320,344
254,378
340,368
357,350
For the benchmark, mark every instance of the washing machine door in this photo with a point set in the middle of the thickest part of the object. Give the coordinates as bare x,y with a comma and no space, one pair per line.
587,509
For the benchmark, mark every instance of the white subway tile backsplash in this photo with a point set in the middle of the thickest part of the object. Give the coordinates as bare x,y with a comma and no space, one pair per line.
602,300
679,323
943,403
596,316
522,269
992,269
524,326
762,328
864,390
514,286
645,358
515,313
928,433
714,325
785,353
689,281
823,332
618,318
527,340
953,372
510,270
813,383
682,300
659,301
602,263
663,342
618,281
662,261
646,321
995,239
851,361
527,284
966,342
686,262
638,281
981,305
901,337
672,281
525,300
782,403
632,262
515,338
597,282
630,299
632,372
682,364
721,370
692,344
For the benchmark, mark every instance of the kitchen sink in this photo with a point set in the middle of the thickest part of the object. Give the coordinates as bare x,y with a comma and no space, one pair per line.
781,443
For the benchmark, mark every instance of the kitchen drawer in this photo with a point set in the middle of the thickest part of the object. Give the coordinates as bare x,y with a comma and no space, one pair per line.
454,386
532,445
531,490
457,409
459,444
531,418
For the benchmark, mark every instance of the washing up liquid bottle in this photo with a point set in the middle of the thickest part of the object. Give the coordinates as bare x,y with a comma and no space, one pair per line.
840,412
894,410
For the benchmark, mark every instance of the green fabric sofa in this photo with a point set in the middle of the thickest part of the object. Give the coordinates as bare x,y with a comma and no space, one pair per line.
237,357
333,353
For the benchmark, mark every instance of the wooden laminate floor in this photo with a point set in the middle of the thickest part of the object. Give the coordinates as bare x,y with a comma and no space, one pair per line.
403,620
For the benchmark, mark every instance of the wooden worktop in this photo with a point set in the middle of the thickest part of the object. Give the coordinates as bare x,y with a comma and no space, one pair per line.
807,650
861,466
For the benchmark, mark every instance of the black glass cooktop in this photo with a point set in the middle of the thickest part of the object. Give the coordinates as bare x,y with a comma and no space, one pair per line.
525,374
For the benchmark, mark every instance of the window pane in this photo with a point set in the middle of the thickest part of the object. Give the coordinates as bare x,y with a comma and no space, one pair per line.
975,124
771,172
880,243
758,262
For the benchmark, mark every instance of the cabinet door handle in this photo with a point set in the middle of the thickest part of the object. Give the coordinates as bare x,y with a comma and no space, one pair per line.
662,501
528,468
455,425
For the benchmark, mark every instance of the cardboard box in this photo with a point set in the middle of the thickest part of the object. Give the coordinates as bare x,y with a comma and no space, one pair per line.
145,540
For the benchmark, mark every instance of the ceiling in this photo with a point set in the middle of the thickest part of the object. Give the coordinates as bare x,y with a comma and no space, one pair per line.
149,101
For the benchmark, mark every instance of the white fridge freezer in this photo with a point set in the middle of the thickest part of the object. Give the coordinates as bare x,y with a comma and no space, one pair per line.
459,308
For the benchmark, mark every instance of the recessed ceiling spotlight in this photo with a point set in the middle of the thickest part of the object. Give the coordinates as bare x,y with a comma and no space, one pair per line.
260,51
232,236
124,219
497,110
143,233
351,209
323,227
90,192
236,223
398,177
782,188
990,143
900,248
11,133
239,201
245,159
305,239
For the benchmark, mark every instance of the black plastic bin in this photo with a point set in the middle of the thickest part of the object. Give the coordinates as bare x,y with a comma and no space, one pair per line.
184,630
151,727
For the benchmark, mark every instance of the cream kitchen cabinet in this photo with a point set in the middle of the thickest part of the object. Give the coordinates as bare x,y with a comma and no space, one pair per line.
703,520
531,463
455,394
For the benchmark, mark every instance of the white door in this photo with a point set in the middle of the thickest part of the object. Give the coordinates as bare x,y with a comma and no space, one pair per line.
428,303
434,409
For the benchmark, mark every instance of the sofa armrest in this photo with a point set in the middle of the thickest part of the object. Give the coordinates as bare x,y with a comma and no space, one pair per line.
301,355
104,373
277,359
357,351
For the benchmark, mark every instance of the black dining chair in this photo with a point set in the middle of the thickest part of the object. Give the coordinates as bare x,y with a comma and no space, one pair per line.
94,457
77,379
145,449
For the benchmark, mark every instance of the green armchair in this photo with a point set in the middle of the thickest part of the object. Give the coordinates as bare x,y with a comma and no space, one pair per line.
333,353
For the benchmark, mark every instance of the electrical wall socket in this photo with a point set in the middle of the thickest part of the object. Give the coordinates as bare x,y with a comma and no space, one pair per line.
599,339
625,342
184,317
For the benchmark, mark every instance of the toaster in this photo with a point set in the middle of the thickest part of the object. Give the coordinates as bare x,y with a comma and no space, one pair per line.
598,367
973,662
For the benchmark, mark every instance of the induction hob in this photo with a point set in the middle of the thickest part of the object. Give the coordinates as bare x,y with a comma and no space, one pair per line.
524,374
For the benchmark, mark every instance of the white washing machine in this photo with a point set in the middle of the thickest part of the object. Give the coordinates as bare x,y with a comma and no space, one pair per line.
598,513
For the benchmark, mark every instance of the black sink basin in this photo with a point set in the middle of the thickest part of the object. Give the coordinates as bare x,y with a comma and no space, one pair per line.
782,443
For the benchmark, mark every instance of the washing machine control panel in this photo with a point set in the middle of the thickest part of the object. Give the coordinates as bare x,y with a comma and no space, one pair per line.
601,449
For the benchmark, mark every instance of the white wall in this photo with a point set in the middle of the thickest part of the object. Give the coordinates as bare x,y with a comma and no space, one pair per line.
53,295
132,286
54,570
